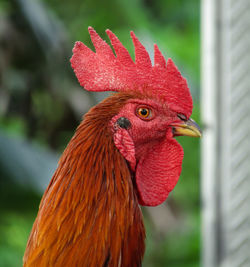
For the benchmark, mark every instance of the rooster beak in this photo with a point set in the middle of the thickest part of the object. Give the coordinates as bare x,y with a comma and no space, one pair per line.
187,128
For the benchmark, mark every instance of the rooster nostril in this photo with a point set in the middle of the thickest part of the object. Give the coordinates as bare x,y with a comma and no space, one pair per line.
124,123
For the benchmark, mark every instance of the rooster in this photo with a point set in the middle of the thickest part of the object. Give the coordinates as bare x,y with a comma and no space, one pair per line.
122,155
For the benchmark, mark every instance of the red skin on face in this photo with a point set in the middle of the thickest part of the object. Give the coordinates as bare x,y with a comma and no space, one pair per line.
149,147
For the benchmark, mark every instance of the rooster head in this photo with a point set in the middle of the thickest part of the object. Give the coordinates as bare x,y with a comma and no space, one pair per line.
159,109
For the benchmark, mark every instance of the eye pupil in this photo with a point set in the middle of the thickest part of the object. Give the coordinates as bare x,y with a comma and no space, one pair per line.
144,112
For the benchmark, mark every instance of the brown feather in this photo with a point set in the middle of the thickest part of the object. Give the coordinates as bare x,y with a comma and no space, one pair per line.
89,214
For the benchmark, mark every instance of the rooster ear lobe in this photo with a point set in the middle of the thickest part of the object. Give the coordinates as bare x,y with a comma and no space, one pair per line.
125,145
158,172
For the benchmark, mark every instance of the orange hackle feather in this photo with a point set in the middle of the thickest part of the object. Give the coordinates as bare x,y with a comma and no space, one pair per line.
89,214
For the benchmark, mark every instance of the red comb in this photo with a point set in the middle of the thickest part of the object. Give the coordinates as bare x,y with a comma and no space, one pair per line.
103,71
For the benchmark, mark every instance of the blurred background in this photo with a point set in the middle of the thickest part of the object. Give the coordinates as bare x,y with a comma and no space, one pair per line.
41,104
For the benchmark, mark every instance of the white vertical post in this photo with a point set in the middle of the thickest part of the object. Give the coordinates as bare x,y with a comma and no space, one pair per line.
209,78
225,145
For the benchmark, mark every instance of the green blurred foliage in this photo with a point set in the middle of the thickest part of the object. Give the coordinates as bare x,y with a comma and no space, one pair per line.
18,208
174,25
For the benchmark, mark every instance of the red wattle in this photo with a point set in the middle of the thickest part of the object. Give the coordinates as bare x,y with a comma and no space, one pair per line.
158,172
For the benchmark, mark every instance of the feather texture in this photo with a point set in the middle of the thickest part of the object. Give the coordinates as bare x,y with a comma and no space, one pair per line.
89,214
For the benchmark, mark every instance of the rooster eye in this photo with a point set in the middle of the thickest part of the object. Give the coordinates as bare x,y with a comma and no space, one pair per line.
182,117
144,113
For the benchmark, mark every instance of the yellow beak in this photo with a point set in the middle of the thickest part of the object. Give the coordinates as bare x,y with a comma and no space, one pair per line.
187,128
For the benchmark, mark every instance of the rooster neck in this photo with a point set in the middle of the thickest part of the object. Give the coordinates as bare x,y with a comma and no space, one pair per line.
89,214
